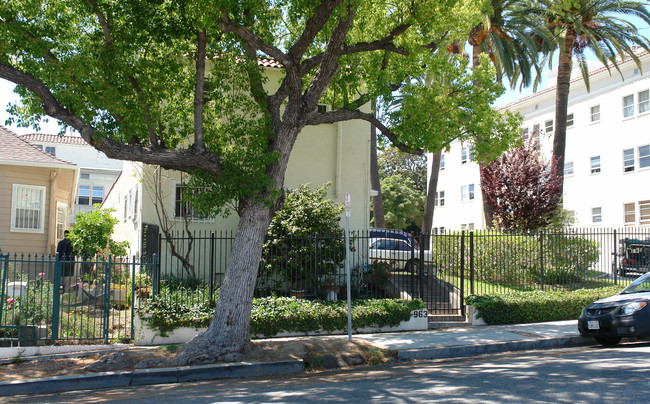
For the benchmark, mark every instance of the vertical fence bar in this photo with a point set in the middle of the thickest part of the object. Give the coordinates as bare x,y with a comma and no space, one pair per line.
471,262
462,273
211,264
56,294
132,336
615,259
541,259
107,296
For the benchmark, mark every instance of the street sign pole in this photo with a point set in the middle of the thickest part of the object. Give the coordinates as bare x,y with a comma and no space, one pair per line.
347,263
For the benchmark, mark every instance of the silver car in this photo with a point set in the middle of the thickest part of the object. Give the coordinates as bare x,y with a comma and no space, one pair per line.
398,253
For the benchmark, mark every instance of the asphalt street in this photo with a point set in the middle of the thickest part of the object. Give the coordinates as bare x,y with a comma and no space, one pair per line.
590,374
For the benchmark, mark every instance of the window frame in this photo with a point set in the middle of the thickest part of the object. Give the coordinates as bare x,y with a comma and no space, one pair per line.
568,165
628,107
627,167
569,120
645,103
644,159
644,212
440,199
595,169
595,113
442,161
629,214
548,126
597,215
22,188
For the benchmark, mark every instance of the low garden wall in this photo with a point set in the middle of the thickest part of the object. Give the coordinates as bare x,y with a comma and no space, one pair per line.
147,336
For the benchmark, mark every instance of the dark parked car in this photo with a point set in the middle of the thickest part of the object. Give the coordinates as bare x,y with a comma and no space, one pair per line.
634,256
626,314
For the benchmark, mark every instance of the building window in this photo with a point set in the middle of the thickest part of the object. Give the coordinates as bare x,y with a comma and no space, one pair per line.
629,214
84,195
97,195
644,212
442,161
569,120
524,133
85,176
27,208
628,160
536,132
548,126
51,150
644,101
467,192
595,113
568,169
183,208
596,215
595,165
440,198
90,195
644,156
628,106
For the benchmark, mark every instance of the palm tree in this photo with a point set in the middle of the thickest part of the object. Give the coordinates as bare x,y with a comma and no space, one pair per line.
513,41
578,25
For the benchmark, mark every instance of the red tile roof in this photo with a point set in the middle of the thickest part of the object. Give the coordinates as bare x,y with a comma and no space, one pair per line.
14,150
43,138
268,63
639,52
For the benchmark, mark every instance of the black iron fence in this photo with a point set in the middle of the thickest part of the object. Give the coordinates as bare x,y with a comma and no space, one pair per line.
46,299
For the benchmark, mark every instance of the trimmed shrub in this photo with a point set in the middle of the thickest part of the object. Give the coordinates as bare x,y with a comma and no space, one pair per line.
506,259
536,306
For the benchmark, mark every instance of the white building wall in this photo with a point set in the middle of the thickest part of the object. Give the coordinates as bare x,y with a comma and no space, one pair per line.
607,137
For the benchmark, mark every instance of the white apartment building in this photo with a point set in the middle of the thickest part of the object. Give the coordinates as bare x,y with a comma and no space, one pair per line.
97,173
607,163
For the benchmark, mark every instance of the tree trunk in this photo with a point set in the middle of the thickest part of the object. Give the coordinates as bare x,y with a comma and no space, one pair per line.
430,202
229,331
377,201
561,105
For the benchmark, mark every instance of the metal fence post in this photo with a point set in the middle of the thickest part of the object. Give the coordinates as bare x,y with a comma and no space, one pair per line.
615,259
56,296
471,262
133,297
211,264
462,273
107,297
5,271
154,280
541,259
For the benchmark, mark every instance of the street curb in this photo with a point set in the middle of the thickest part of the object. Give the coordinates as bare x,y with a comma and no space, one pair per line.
141,377
464,351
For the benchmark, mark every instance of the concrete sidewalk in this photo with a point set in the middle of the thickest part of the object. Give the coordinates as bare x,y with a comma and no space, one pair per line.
419,345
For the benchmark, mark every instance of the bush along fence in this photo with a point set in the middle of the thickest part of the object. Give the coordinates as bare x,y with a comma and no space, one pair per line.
43,299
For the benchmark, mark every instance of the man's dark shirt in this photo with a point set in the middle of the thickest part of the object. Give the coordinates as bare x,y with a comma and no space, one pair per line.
64,249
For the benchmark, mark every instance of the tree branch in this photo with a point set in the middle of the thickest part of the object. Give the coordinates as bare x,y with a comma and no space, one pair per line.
182,160
312,27
341,115
228,25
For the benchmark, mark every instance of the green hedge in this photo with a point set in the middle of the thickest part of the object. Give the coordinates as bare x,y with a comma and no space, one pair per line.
536,306
272,315
508,259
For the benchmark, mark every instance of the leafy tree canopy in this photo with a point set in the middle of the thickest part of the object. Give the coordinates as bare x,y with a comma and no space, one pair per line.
394,162
92,232
404,205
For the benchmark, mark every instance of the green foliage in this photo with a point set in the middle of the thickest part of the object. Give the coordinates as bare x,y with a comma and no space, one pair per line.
181,307
392,161
92,234
306,230
273,315
403,204
511,259
536,306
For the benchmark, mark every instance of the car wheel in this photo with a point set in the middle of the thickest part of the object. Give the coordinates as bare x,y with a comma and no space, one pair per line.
608,341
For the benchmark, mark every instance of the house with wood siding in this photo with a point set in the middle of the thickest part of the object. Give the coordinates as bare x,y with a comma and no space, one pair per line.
37,194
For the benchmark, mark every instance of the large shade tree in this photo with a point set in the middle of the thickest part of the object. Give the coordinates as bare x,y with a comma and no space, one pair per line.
577,26
180,85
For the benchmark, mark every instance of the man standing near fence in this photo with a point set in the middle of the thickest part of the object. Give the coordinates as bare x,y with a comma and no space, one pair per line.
64,249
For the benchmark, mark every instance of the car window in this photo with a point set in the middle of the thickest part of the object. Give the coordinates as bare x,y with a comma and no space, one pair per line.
403,246
378,245
640,285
